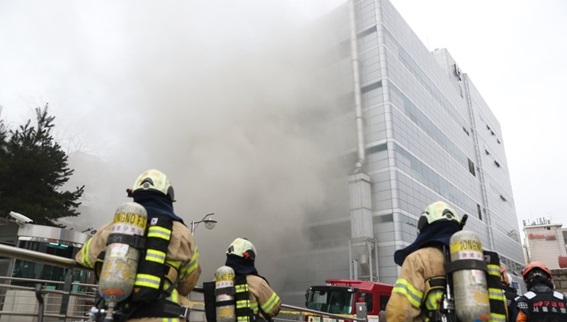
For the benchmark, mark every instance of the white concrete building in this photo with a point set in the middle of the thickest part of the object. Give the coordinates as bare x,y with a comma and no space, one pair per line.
424,133
544,243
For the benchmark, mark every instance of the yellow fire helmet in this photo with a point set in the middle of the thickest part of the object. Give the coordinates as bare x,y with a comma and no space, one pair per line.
242,247
154,180
437,211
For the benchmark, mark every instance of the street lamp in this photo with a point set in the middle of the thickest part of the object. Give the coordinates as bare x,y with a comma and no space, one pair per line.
209,222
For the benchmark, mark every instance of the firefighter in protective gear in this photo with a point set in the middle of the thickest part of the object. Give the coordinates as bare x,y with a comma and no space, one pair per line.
418,292
179,267
541,302
510,292
261,302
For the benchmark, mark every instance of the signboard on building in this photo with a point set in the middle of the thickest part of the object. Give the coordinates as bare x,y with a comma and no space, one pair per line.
542,236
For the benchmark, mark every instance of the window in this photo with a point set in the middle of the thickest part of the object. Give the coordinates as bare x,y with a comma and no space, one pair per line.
383,301
479,211
503,198
471,167
369,301
497,164
367,32
466,131
457,71
370,87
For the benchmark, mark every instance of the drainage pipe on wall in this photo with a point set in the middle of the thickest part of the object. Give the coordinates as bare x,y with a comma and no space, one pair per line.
357,94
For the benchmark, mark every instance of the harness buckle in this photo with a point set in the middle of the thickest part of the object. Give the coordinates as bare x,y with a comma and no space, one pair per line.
184,312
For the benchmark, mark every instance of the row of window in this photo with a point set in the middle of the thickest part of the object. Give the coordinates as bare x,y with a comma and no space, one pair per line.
420,75
434,181
424,123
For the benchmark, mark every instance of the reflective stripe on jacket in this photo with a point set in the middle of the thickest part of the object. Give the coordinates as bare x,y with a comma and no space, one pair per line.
182,253
262,297
407,298
498,306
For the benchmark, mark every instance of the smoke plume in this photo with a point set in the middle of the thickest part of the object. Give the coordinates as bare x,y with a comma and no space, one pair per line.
234,101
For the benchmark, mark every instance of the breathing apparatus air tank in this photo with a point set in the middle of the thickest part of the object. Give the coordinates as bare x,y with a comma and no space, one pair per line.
469,280
224,294
121,258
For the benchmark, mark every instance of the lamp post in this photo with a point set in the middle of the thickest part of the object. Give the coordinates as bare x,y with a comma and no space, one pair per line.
209,222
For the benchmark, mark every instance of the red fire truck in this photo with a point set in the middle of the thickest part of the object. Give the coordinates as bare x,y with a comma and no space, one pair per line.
340,296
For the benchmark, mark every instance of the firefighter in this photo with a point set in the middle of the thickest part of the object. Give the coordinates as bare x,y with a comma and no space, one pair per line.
181,268
541,302
417,293
261,302
510,292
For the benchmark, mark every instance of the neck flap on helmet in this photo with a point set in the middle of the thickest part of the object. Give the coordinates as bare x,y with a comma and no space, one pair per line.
156,203
436,233
240,265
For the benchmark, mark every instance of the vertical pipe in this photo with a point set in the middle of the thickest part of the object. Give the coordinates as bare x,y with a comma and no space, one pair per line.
486,205
350,259
376,260
357,94
39,297
64,309
368,247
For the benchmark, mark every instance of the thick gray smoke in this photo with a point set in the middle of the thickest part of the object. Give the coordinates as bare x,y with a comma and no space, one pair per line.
230,100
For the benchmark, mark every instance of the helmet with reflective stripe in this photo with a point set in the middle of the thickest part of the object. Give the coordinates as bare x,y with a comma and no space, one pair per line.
154,180
437,211
534,269
242,247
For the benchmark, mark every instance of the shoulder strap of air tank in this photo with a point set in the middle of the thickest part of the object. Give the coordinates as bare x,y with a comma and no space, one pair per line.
497,298
435,284
152,267
242,298
447,312
209,297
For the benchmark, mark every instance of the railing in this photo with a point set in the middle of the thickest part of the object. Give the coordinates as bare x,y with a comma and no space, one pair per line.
26,301
70,301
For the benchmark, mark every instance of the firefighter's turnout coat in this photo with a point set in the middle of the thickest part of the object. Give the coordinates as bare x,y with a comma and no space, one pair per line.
262,297
408,301
421,283
182,254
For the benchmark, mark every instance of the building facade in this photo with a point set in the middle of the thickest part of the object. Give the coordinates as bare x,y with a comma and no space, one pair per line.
45,239
544,242
424,133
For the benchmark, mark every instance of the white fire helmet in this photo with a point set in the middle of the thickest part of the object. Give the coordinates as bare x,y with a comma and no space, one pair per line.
243,248
437,211
154,180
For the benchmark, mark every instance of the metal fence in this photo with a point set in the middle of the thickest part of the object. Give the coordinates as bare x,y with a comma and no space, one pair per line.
36,300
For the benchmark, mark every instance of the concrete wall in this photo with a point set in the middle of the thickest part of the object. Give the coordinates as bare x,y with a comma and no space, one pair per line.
560,280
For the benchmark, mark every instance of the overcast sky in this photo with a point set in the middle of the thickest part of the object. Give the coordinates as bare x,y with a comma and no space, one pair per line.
118,72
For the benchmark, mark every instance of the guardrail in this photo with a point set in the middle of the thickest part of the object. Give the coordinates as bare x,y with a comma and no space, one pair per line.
70,301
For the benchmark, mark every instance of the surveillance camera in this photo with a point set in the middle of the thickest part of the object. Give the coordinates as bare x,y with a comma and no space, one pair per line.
19,218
